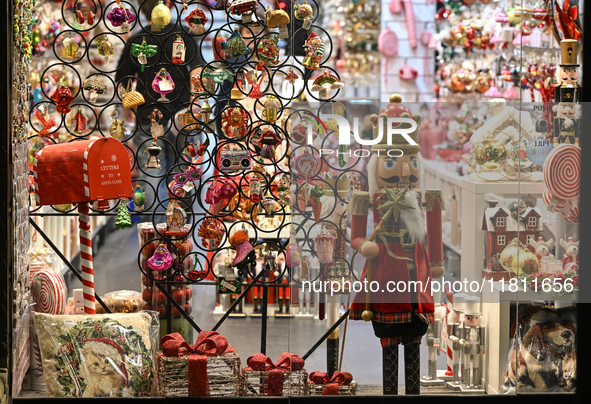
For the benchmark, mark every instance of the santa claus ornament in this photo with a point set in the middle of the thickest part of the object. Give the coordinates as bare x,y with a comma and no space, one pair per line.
395,250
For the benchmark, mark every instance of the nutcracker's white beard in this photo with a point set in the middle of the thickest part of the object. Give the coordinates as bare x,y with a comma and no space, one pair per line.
411,219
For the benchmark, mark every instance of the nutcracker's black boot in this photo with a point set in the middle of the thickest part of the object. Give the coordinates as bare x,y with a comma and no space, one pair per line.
390,369
412,368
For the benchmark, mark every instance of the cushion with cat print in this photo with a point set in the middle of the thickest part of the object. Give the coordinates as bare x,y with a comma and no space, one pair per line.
101,355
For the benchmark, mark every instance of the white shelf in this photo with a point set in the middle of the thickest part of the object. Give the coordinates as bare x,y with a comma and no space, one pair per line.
503,188
441,170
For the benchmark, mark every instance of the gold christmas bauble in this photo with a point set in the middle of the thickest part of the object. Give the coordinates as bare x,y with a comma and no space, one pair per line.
525,263
490,154
507,255
160,15
64,207
367,315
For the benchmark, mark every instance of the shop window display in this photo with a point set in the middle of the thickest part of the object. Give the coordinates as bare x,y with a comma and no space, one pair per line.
208,138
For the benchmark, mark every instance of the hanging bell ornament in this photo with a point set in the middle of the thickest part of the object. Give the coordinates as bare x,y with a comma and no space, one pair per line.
79,123
178,50
160,16
105,47
153,162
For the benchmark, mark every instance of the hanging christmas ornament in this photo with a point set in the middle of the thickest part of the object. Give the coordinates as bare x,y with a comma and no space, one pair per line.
160,16
316,193
71,48
268,205
178,50
304,12
314,50
291,77
255,92
123,219
117,130
62,96
268,142
79,123
105,47
255,186
244,9
187,119
325,80
268,52
153,161
156,129
139,198
196,20
84,12
235,122
176,218
218,75
163,84
234,47
538,149
205,112
95,88
270,109
283,190
121,17
307,164
143,51
45,120
278,19
161,260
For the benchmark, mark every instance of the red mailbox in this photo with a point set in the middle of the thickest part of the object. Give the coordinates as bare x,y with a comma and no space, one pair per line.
81,172
88,170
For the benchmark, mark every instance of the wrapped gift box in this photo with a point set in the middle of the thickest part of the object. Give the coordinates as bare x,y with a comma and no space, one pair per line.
340,384
210,368
286,378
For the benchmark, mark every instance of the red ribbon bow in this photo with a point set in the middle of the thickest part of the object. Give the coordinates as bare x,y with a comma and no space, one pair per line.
209,343
286,362
332,383
567,17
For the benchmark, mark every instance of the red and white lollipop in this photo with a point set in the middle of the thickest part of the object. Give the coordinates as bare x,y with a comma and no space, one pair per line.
49,292
562,171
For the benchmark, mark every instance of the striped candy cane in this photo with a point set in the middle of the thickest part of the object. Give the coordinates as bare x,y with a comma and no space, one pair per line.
86,259
409,15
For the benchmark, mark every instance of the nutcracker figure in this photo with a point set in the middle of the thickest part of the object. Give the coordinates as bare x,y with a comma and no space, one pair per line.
433,340
568,72
567,124
455,332
472,343
395,250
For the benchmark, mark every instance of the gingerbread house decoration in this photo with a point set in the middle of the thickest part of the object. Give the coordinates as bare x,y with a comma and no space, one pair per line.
501,227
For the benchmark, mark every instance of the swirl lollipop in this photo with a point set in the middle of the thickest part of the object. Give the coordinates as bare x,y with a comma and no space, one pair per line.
552,203
163,84
562,171
49,292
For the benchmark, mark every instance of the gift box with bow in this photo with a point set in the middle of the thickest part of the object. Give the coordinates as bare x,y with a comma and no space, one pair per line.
340,384
209,368
287,377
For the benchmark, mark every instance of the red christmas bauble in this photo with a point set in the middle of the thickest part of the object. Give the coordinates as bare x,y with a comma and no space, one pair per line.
147,295
147,282
179,296
188,293
188,308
